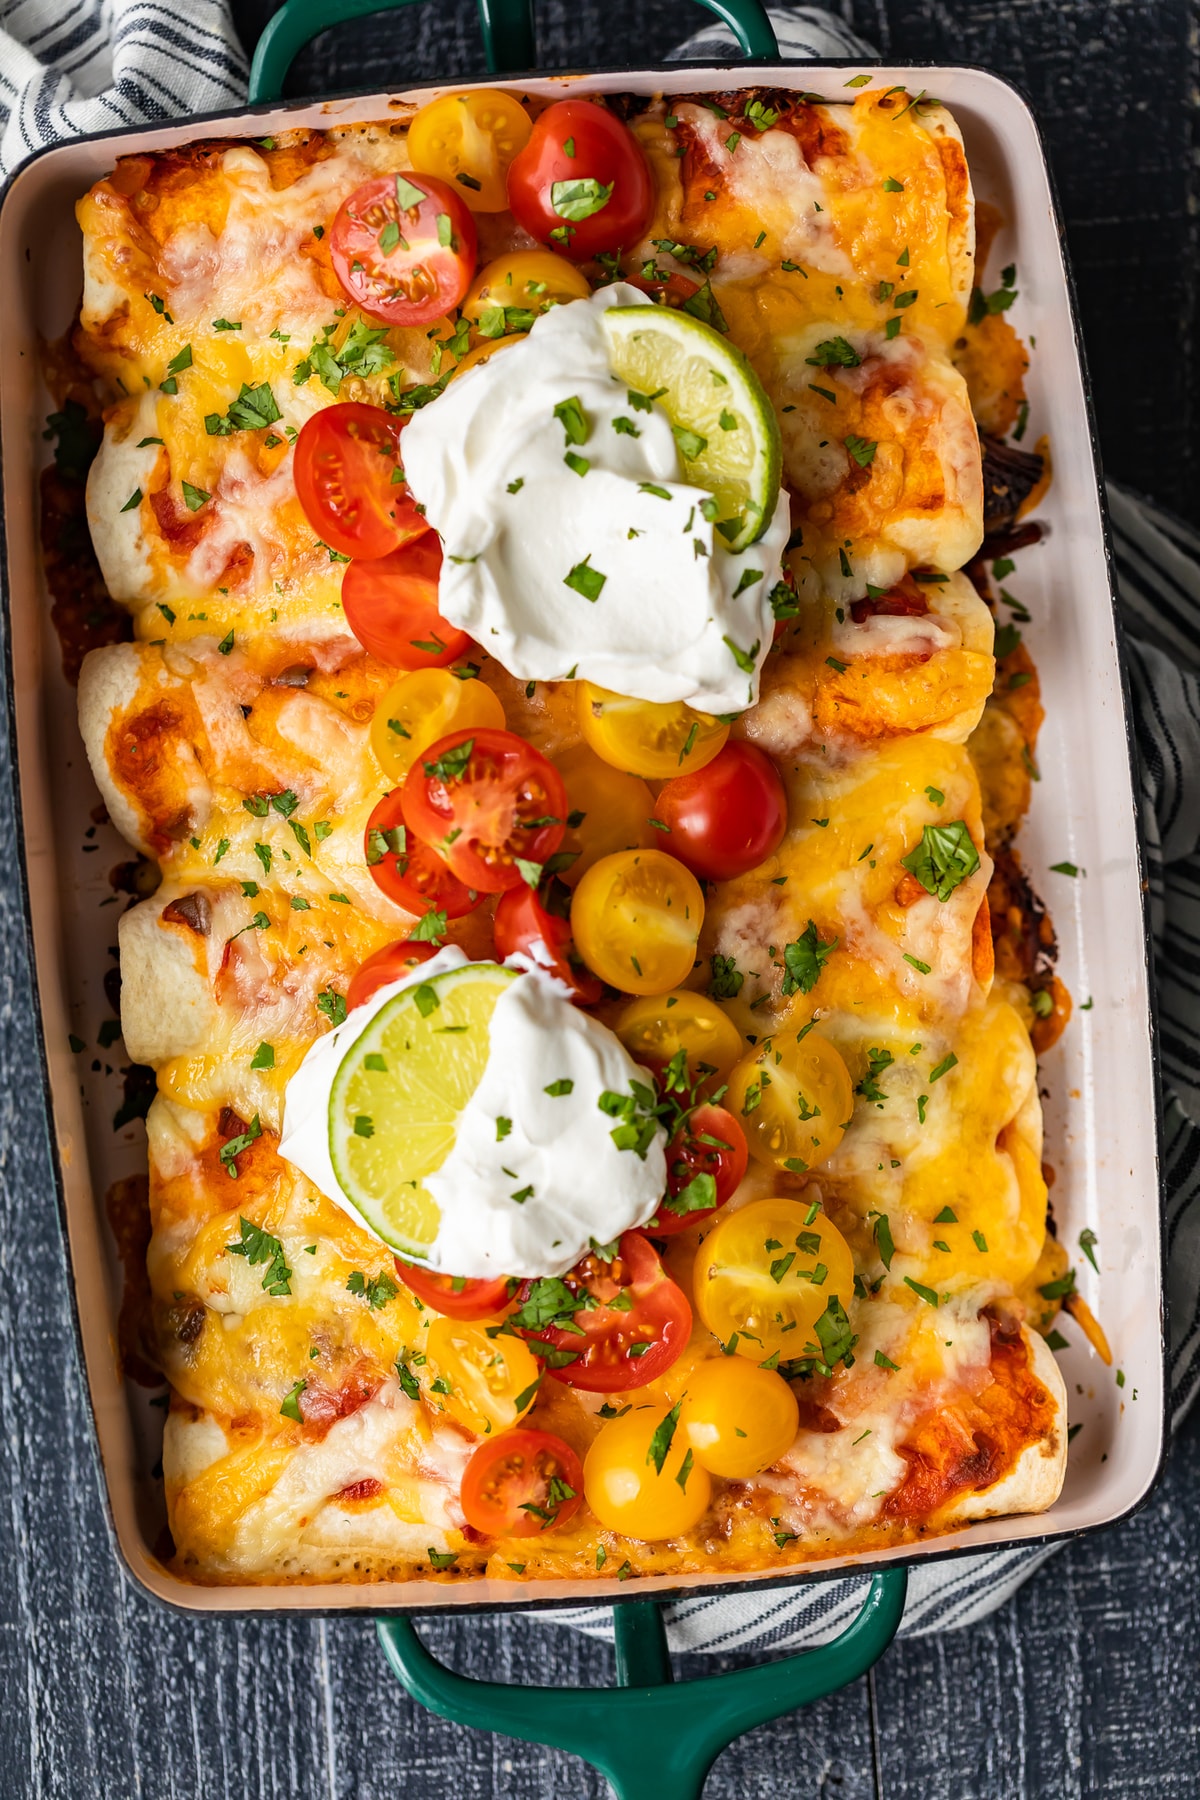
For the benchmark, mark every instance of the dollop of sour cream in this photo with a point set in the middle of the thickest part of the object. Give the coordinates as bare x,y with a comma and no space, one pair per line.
561,571
527,1200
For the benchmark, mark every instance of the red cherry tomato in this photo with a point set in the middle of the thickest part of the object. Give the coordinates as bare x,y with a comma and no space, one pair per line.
391,607
729,816
522,921
710,1143
582,182
619,1349
488,799
458,1296
343,465
521,1483
387,965
404,248
407,870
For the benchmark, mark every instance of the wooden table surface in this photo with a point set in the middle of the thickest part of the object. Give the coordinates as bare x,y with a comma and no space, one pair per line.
1086,1685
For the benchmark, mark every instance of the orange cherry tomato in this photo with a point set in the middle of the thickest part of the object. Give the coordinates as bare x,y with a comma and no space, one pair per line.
391,607
407,870
390,964
582,182
403,247
457,1296
622,1346
522,921
344,467
728,817
487,801
521,1483
706,1160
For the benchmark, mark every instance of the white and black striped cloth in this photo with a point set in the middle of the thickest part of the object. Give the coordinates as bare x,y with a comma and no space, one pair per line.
73,66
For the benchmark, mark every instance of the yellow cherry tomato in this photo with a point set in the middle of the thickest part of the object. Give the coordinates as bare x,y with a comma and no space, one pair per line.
627,1490
424,706
645,738
654,1028
767,1273
616,810
511,292
635,918
484,1383
483,351
738,1419
793,1098
469,140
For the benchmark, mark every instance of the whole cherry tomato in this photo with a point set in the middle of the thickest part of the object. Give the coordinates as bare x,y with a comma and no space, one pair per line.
706,1160
391,607
522,921
458,1296
521,1483
728,817
622,1346
582,182
403,247
488,802
345,466
389,964
407,870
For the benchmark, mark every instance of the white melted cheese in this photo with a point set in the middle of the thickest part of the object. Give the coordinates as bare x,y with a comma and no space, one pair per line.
560,1146
662,626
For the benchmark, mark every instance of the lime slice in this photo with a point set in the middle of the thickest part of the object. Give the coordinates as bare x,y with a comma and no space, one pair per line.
399,1092
725,425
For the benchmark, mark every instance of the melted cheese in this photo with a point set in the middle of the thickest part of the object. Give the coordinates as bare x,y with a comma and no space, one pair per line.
866,716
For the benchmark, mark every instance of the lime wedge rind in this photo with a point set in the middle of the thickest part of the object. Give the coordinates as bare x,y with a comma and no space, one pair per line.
712,393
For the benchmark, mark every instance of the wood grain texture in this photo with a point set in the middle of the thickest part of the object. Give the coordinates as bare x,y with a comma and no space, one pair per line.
1084,1688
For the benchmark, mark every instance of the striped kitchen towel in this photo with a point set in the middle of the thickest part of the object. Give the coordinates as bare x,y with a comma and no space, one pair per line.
74,66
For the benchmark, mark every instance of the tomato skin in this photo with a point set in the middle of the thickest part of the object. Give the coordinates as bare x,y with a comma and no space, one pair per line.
514,1470
389,964
455,1296
419,279
728,817
739,1419
688,1156
522,921
529,281
605,151
342,465
503,782
391,607
630,1494
616,810
659,1317
415,876
477,134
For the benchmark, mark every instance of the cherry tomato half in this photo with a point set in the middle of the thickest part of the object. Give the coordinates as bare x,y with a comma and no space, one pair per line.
706,1160
344,465
636,917
766,1273
471,139
728,817
407,870
457,1296
644,737
486,800
619,1348
521,1483
522,921
391,607
658,1026
404,248
582,182
423,706
484,1383
390,964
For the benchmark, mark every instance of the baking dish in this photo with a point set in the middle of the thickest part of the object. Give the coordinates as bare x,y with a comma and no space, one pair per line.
1099,1083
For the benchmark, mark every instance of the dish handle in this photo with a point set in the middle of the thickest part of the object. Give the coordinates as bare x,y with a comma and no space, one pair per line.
507,34
653,1738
